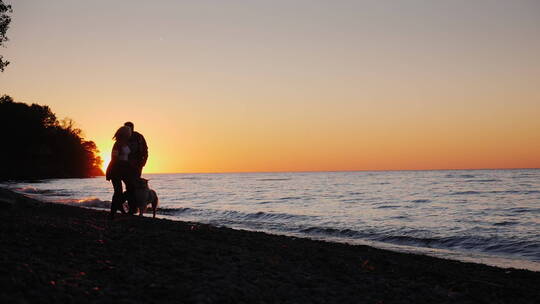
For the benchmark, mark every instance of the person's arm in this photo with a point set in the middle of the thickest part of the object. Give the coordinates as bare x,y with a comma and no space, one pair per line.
114,157
143,148
114,153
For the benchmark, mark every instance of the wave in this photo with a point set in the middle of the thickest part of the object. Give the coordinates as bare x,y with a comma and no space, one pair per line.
460,176
400,217
526,192
290,198
332,232
465,193
523,210
530,192
514,192
44,192
174,211
32,190
527,175
91,202
421,201
192,178
482,180
387,207
350,201
505,223
272,179
493,245
234,215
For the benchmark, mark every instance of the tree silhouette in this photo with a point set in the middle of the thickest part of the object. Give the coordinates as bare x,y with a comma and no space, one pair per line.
36,145
5,20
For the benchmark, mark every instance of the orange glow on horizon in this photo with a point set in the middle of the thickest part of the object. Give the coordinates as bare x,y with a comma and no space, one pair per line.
105,154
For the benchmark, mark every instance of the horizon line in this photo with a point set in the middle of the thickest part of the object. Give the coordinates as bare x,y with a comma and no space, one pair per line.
337,171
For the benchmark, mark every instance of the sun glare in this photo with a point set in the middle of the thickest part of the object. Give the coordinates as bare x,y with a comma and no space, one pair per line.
106,157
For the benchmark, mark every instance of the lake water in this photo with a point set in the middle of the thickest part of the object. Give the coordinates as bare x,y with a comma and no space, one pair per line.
485,216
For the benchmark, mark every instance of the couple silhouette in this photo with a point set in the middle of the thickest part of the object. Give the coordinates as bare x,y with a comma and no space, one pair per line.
128,157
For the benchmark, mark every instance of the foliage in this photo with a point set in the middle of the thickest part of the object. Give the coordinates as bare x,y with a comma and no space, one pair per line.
35,144
5,20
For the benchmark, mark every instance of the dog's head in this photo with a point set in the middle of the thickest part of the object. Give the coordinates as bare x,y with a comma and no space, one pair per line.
141,183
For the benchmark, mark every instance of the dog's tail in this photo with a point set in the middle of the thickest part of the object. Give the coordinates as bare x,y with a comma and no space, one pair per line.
155,202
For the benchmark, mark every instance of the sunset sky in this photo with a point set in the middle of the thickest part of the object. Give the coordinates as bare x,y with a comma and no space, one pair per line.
233,86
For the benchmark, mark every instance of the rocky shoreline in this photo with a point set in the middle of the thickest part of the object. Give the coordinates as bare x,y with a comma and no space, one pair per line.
55,253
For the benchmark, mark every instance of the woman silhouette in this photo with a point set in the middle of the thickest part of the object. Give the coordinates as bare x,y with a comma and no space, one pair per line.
120,169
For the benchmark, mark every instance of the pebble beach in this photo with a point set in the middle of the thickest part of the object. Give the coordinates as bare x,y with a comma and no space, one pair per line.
52,253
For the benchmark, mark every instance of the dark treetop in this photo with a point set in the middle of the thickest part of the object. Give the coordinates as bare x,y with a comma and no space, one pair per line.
5,19
36,145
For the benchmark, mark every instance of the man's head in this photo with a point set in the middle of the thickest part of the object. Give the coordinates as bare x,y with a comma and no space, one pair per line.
129,124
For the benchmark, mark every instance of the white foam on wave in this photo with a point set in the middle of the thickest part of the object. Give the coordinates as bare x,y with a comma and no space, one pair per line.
89,202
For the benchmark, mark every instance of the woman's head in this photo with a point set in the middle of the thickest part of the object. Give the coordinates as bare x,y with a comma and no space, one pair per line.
122,134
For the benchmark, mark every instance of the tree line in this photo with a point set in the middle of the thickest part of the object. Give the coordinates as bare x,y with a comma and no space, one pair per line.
5,20
36,145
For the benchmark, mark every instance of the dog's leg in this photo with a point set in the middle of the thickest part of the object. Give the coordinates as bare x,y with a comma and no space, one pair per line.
155,202
154,207
142,210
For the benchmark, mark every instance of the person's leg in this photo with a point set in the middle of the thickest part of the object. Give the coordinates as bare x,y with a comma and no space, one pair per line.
130,181
117,198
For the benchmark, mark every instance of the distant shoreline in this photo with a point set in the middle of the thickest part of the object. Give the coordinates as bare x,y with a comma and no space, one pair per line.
37,179
65,253
345,171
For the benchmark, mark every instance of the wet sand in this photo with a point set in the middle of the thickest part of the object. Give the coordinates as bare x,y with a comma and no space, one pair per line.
53,253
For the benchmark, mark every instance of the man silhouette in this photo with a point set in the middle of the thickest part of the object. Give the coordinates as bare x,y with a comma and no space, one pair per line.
138,150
